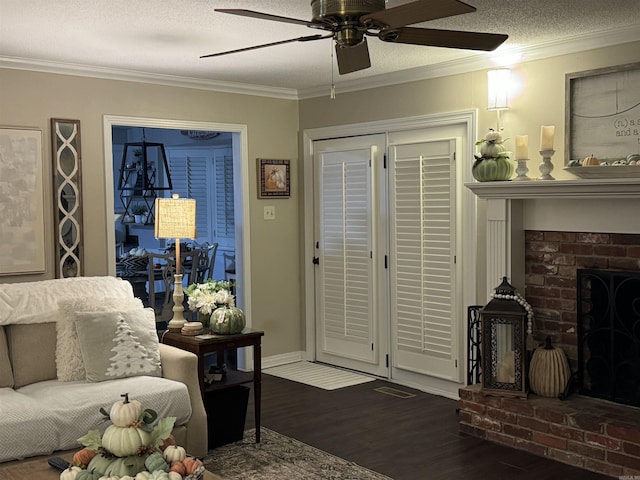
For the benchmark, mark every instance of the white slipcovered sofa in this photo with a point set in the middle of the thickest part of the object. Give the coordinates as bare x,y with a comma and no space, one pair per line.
61,348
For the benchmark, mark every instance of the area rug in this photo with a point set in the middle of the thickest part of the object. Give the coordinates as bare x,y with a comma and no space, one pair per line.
278,457
317,375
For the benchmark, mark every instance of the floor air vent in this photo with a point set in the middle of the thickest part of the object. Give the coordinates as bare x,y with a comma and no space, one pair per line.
395,392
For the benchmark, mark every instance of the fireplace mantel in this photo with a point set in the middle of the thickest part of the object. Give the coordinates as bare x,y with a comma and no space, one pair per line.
503,216
606,187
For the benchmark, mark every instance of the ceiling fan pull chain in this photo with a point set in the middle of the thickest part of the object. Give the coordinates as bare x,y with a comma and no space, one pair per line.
332,94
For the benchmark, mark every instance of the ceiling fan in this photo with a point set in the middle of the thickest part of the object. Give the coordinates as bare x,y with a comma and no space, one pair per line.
350,21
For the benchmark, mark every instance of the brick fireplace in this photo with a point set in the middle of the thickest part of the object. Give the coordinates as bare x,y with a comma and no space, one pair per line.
590,433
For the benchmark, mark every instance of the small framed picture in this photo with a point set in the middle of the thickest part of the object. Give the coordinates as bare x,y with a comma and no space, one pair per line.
273,178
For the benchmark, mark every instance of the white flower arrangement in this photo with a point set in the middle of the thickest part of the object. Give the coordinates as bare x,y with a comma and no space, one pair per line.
206,297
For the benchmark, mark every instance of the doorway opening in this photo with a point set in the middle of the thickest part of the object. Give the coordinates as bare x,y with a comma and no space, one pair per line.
241,234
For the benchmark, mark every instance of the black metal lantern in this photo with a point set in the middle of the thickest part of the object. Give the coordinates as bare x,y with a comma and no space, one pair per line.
504,331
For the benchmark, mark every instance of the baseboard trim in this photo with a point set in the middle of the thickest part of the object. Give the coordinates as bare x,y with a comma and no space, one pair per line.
282,359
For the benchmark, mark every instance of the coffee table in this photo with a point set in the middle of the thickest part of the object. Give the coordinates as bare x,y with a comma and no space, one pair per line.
38,468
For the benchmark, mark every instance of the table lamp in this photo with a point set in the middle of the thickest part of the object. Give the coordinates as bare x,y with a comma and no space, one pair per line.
176,218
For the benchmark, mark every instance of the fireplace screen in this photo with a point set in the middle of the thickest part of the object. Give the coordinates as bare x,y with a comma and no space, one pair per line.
609,335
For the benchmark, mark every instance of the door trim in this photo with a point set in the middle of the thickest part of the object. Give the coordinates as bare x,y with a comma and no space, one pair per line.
467,205
241,175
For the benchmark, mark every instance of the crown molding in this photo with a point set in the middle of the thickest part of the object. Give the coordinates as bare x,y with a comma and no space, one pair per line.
141,77
574,44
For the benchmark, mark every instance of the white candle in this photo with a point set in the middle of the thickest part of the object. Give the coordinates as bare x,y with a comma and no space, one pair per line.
522,147
546,137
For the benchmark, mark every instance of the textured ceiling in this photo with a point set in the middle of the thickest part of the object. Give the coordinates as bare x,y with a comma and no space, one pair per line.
163,37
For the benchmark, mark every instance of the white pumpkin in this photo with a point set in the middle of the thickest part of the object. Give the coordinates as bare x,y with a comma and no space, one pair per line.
70,473
174,453
112,477
143,476
124,441
173,476
124,412
127,477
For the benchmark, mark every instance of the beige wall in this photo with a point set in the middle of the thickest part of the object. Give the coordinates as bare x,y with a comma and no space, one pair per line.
540,102
31,99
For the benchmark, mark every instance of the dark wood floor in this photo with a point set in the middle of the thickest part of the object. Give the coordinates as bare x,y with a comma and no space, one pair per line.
405,438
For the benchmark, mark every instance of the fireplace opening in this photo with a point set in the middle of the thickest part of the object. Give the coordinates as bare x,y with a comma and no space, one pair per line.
608,311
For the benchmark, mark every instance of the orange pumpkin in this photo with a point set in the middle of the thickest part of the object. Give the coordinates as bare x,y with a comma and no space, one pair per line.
167,441
178,467
83,457
190,464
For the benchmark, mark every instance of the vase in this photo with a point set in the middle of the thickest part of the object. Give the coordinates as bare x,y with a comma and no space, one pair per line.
204,319
227,321
492,169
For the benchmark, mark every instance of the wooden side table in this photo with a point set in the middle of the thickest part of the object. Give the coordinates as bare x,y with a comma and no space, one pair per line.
218,344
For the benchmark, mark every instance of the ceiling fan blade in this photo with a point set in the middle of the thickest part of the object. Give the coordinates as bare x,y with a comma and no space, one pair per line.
444,38
416,12
275,18
308,38
352,59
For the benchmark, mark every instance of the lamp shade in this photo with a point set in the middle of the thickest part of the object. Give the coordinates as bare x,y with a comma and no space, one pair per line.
498,89
175,217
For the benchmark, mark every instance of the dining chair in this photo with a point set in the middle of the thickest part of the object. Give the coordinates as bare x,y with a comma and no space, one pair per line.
202,263
162,267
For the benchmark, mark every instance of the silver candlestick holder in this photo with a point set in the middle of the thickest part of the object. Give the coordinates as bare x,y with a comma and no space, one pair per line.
522,169
546,167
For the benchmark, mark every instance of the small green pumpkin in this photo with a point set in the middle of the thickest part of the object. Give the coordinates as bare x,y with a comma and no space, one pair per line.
99,464
87,475
155,462
130,465
492,169
227,321
159,475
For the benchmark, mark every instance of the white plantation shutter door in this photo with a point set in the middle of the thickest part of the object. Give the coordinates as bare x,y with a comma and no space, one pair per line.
346,299
225,220
422,196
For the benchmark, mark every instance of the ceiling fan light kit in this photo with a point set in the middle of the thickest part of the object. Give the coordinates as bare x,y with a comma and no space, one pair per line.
350,21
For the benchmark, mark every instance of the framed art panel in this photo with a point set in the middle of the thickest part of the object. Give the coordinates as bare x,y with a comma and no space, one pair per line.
603,114
21,202
273,178
66,156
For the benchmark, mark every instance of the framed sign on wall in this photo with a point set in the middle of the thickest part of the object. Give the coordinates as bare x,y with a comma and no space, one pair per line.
603,114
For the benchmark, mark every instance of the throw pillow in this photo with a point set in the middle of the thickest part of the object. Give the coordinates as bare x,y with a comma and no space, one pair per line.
6,374
119,344
31,350
69,364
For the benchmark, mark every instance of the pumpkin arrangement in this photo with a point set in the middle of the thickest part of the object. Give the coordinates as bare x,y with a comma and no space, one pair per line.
216,307
493,162
130,449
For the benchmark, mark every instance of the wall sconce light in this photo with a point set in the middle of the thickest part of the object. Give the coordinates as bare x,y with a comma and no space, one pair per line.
498,91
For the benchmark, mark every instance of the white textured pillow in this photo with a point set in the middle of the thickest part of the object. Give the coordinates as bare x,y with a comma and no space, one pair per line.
119,344
69,363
